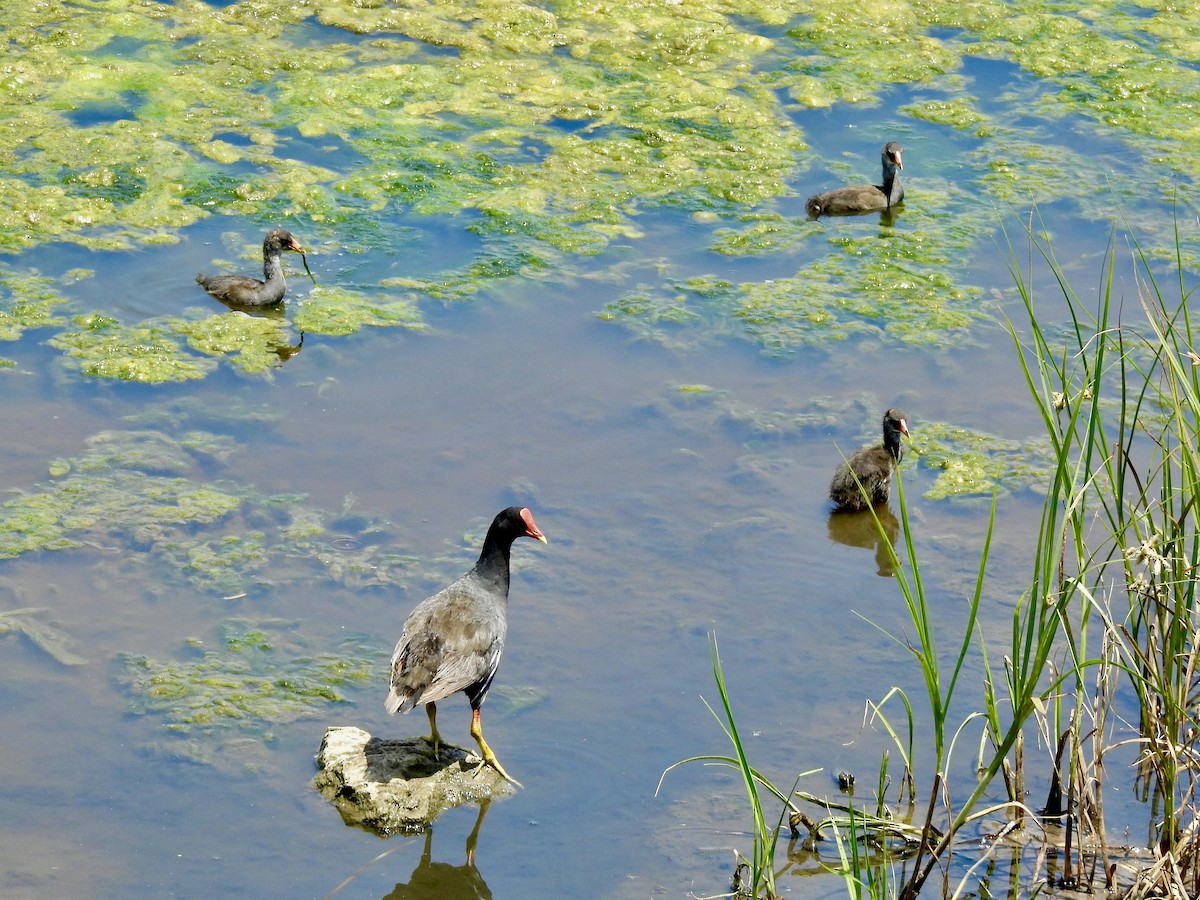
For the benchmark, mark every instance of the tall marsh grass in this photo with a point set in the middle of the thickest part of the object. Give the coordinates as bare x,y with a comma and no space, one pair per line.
1111,597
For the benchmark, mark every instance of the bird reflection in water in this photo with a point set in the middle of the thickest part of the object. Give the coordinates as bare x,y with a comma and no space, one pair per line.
286,351
888,217
858,529
276,339
435,880
440,881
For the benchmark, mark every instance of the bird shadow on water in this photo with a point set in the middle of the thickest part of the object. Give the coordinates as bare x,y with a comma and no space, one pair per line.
859,529
432,880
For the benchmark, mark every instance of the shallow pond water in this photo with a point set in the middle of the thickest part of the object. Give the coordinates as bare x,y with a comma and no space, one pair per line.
663,360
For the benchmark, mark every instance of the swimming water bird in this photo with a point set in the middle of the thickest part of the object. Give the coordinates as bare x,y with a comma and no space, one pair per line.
866,197
241,290
872,467
452,641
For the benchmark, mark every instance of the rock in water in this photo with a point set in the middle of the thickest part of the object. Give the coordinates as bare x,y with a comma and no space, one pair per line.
390,786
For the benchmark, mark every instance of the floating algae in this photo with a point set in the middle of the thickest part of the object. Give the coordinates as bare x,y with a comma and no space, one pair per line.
549,132
259,675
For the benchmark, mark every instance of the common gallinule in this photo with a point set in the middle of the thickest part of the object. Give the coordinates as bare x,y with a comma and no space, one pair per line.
241,290
870,467
865,197
452,641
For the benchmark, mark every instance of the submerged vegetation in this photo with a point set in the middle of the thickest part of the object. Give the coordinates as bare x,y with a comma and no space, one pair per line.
547,134
153,490
259,676
143,508
1111,601
37,624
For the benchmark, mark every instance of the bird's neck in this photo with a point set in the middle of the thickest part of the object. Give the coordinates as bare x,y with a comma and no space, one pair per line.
895,193
492,567
272,268
891,443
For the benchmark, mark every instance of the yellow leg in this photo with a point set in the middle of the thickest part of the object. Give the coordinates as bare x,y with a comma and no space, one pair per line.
434,738
485,752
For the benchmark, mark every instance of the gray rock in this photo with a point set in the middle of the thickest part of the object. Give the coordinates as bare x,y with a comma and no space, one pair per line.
388,786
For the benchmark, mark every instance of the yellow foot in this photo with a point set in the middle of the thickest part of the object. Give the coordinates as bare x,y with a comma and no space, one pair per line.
485,752
495,764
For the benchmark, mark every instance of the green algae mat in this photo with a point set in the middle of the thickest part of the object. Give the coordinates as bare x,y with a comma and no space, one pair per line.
550,136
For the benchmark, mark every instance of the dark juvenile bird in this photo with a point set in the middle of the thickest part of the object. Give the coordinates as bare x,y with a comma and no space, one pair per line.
452,641
865,197
870,467
241,290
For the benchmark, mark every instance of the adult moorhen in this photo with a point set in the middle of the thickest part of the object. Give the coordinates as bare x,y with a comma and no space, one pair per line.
866,197
452,641
869,471
241,290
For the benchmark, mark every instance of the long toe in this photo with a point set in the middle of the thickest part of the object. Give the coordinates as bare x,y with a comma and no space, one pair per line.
485,752
490,760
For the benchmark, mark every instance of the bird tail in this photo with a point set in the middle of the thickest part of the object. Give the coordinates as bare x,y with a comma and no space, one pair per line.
396,703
